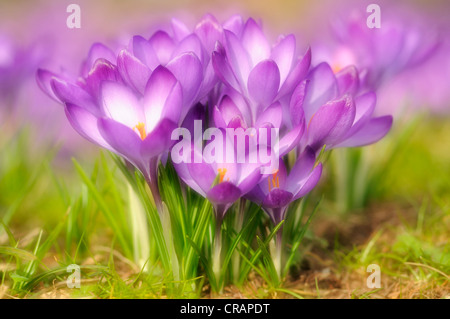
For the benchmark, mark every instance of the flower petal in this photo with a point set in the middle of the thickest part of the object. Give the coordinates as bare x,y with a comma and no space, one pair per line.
103,70
85,123
297,116
163,45
322,87
44,79
158,89
238,58
301,169
67,92
180,30
277,198
263,82
224,193
223,70
159,139
234,24
255,42
97,51
371,132
311,182
133,71
209,31
297,74
331,122
273,115
121,104
122,139
203,175
348,80
144,52
188,70
283,54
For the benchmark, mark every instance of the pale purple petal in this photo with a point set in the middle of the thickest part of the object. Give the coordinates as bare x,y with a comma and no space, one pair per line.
122,139
67,92
322,87
263,82
159,86
203,175
163,45
188,70
159,140
85,123
223,70
297,74
143,51
283,54
238,58
209,31
180,30
331,122
311,182
121,104
255,42
102,71
348,80
272,114
301,169
97,51
133,71
371,132
297,116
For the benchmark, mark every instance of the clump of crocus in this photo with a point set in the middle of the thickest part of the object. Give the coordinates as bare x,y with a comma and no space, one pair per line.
264,98
130,102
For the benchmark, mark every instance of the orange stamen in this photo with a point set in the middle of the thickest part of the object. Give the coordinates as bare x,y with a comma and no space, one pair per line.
141,129
336,68
275,181
222,172
309,123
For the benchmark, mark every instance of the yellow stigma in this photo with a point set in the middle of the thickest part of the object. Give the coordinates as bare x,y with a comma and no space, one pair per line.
274,181
309,123
141,129
222,172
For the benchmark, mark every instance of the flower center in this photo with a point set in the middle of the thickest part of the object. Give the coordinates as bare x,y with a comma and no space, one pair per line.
140,127
274,181
222,172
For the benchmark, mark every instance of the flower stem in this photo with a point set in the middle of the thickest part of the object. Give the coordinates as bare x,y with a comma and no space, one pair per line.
217,249
238,225
152,182
278,252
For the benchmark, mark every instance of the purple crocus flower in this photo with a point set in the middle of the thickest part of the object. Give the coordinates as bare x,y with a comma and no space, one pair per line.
17,65
233,112
246,63
105,109
278,190
403,41
336,114
186,54
221,183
